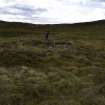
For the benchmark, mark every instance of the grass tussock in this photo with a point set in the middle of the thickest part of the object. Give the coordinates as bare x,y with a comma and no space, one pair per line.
33,72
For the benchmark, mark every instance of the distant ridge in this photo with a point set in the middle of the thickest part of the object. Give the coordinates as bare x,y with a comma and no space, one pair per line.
28,28
81,23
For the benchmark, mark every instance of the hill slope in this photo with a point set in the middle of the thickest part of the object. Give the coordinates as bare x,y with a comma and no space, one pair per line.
67,69
88,29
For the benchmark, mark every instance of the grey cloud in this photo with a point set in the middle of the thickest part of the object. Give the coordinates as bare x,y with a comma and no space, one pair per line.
23,10
26,8
93,4
100,0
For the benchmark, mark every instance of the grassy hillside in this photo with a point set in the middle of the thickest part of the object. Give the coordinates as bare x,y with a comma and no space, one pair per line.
68,69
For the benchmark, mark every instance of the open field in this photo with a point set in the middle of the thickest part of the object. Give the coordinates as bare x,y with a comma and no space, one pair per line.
33,72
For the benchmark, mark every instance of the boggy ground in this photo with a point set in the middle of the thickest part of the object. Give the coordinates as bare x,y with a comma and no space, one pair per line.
34,73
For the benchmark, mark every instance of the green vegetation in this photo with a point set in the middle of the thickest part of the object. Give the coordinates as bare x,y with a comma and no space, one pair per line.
32,72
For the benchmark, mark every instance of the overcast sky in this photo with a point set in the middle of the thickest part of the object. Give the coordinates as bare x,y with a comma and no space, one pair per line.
52,11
